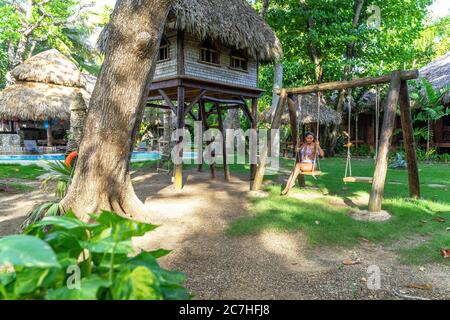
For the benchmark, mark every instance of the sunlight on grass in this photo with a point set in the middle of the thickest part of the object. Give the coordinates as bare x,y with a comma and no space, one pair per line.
325,220
13,171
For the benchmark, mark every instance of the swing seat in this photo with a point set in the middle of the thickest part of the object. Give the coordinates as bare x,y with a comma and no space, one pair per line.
312,173
358,179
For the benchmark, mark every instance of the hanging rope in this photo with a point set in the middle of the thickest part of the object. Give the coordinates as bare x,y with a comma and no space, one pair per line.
316,148
348,166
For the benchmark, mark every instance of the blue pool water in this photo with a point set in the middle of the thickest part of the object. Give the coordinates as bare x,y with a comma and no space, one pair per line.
136,156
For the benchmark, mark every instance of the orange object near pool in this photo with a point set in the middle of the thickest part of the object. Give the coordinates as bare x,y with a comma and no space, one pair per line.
70,158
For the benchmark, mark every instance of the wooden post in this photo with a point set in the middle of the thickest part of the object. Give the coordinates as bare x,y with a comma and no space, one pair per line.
202,117
49,134
206,128
292,107
226,170
259,176
180,125
253,167
379,178
408,137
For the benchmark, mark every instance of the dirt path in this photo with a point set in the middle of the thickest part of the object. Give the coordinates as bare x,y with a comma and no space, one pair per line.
270,265
14,205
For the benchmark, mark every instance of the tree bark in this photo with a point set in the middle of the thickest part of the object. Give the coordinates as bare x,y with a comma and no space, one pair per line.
101,179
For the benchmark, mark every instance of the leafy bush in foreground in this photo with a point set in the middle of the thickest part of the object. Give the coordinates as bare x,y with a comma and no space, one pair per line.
65,258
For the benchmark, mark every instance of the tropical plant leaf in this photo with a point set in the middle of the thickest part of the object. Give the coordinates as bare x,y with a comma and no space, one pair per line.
137,284
27,251
89,288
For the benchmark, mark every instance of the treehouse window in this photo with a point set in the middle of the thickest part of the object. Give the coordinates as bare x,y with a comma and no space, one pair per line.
164,50
239,63
209,54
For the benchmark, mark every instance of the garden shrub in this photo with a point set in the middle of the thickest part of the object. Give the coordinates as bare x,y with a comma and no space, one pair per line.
63,258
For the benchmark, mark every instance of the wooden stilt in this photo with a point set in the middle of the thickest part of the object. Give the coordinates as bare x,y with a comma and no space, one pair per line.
201,117
205,116
253,167
379,179
180,125
226,170
408,137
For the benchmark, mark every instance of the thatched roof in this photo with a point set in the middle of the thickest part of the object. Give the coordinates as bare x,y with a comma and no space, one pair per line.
50,67
45,87
307,111
438,74
233,22
35,101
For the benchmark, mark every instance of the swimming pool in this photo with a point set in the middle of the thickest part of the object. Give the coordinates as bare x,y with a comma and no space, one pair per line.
36,158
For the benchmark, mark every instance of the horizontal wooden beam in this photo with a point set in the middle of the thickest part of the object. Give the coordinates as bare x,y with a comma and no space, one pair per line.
341,85
223,101
158,106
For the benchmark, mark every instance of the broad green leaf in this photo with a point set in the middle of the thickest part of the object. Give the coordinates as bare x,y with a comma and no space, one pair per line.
27,251
159,253
122,229
137,284
108,245
89,288
29,280
65,223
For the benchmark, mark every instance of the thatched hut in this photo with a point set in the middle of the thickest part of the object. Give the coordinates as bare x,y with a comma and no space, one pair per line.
307,112
438,74
44,89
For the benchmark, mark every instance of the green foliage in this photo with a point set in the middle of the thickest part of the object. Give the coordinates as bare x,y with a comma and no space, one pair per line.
376,51
65,25
45,262
430,104
60,173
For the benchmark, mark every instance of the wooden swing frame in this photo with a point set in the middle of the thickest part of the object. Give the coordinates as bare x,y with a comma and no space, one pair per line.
398,94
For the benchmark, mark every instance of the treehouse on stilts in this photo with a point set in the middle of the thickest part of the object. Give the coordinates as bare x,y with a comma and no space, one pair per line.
208,64
398,94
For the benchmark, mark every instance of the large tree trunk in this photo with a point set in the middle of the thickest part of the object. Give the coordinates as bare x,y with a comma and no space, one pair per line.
101,179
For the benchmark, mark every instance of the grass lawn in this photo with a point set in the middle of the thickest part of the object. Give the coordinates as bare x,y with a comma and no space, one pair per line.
412,220
13,171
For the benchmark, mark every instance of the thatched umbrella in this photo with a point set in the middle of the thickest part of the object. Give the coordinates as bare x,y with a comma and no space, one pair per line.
45,87
233,22
438,74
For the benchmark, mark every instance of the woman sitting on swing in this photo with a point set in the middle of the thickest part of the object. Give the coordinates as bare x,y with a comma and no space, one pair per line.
305,159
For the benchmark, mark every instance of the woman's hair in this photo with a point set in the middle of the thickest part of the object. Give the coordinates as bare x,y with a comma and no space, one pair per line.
310,134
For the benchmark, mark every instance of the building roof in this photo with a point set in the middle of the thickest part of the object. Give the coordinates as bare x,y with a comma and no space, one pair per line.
233,22
45,87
